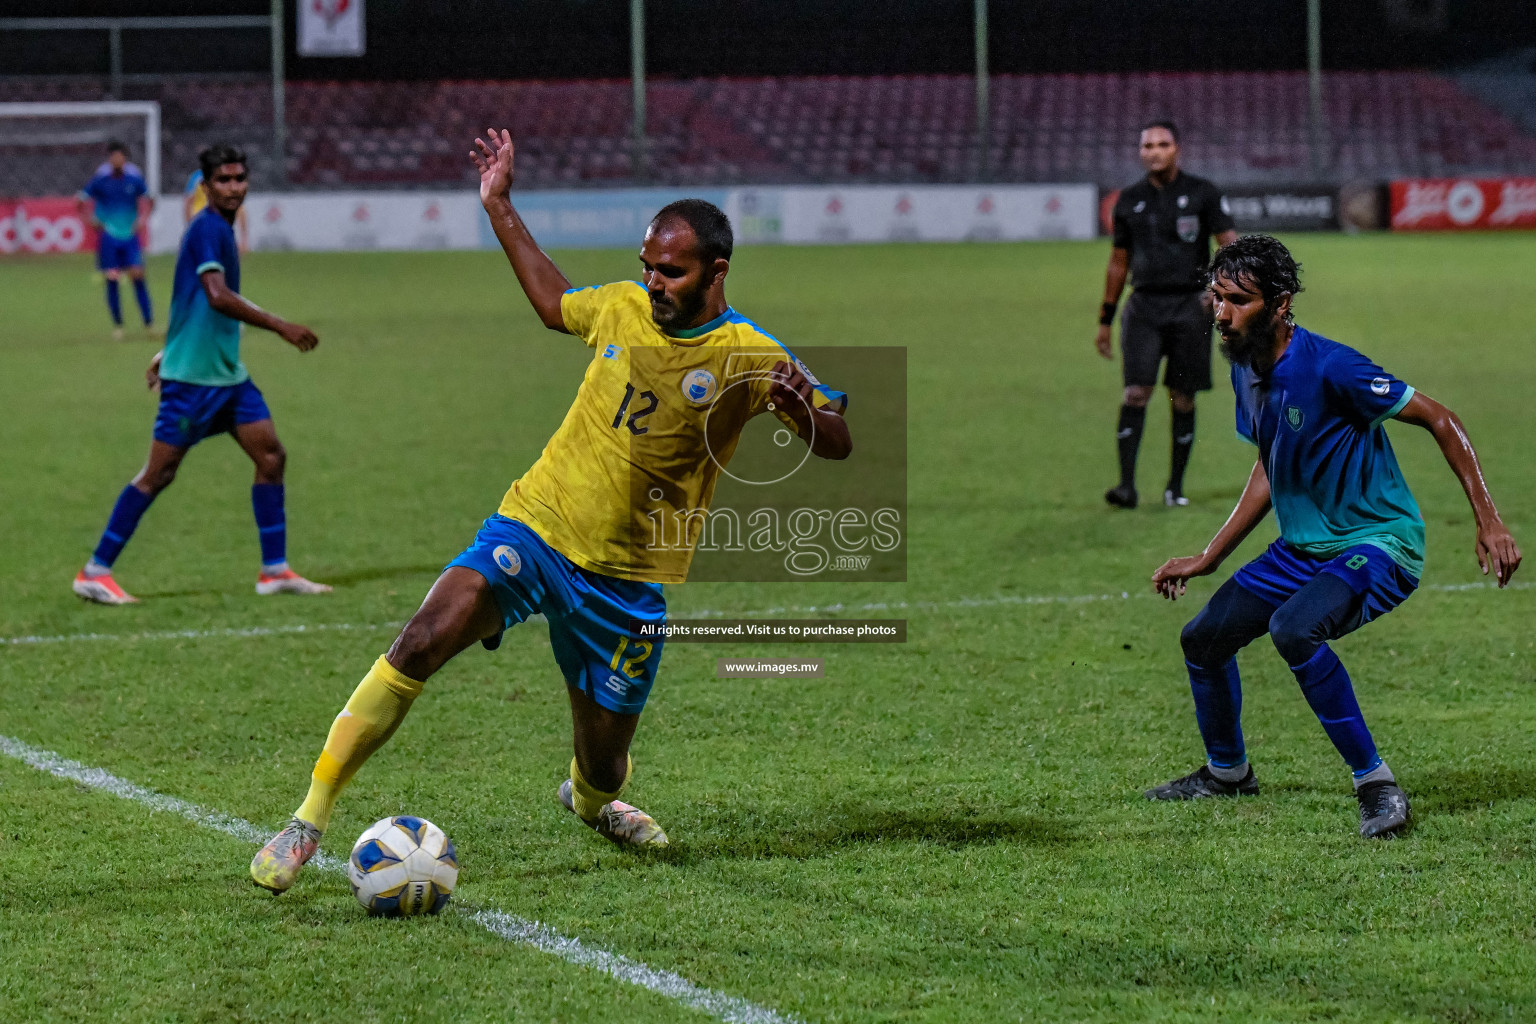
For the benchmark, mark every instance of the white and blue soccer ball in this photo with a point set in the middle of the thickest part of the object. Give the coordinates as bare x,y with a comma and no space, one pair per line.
403,866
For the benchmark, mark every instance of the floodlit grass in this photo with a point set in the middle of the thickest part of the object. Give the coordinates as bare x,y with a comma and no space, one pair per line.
946,830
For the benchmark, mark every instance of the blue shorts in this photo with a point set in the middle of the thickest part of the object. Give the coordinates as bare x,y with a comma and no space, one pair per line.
594,620
190,412
1282,570
118,253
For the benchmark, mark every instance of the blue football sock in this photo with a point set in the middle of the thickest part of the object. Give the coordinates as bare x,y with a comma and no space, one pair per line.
141,292
1218,709
1328,690
125,519
114,303
271,523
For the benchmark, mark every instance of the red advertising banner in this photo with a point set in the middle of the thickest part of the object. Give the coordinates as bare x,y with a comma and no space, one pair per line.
44,225
1463,204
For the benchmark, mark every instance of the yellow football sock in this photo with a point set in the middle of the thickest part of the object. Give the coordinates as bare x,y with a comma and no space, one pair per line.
376,709
589,801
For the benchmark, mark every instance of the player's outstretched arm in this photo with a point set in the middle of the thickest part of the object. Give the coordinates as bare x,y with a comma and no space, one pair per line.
1114,283
541,280
1172,577
1496,549
824,430
231,303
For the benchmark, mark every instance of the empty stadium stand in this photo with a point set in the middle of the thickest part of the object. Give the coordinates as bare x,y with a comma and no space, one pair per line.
1240,128
1507,83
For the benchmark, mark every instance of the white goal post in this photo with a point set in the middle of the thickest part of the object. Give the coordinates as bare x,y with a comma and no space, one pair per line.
63,142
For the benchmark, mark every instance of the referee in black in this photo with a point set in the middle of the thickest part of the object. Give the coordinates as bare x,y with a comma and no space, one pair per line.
1162,238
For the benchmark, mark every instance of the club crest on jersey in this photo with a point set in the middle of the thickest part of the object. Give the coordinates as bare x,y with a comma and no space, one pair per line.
808,374
1188,227
508,560
698,386
1380,386
1294,416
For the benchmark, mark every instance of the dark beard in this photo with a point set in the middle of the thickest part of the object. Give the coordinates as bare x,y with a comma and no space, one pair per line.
1254,347
674,317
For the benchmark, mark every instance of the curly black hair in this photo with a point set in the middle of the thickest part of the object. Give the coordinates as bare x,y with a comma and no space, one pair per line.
217,155
1261,261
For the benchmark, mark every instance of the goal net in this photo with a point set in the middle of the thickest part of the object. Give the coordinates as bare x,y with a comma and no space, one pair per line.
52,149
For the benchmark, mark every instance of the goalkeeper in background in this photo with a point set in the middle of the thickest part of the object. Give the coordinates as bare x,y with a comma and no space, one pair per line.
117,203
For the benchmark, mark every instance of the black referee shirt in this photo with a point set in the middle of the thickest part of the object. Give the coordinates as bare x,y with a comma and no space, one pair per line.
1168,231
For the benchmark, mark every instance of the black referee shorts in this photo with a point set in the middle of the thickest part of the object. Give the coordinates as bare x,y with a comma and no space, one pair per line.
1154,326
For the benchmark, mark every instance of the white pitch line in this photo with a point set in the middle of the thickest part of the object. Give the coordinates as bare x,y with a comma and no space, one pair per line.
897,606
728,1008
998,600
674,986
199,634
1457,588
1013,599
97,778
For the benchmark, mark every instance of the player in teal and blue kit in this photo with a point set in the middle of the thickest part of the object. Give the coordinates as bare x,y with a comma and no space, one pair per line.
120,203
194,200
1351,543
205,389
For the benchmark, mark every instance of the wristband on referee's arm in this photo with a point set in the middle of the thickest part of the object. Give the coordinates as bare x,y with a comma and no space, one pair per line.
1107,313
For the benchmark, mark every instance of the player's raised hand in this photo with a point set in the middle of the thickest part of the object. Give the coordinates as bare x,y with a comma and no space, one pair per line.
299,336
493,160
1173,576
1497,551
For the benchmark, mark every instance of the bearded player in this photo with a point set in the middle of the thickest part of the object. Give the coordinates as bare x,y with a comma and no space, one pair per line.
675,376
1351,543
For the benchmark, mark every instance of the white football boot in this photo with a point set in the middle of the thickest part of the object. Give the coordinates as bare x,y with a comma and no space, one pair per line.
102,589
288,582
619,822
276,865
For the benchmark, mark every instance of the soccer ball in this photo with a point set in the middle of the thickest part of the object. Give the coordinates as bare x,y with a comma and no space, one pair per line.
403,866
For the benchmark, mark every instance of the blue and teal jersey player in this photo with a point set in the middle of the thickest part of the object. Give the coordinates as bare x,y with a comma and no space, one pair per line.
194,200
117,202
205,390
1351,543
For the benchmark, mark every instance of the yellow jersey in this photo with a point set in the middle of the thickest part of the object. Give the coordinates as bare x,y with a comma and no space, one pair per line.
195,190
655,421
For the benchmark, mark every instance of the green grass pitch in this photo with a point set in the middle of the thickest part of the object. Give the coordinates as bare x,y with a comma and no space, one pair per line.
946,830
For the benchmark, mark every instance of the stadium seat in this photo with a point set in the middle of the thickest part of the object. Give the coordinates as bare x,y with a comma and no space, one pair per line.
918,128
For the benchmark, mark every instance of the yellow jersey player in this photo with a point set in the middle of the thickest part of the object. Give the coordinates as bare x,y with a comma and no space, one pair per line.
675,375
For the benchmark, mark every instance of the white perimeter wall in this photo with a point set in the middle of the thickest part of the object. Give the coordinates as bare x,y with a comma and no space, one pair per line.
328,221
